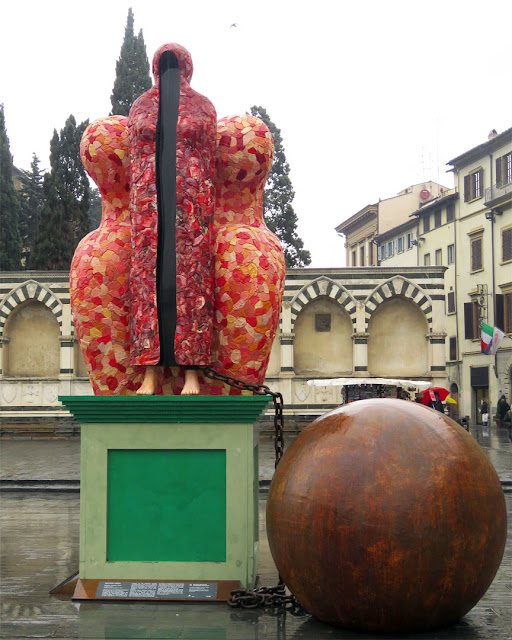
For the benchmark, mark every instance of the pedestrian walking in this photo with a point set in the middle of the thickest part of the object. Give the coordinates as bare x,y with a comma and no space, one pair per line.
484,410
501,410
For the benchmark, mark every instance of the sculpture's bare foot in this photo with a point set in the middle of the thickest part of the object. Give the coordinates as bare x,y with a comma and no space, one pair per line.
148,386
191,386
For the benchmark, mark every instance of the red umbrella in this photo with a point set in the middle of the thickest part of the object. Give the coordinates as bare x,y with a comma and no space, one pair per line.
429,394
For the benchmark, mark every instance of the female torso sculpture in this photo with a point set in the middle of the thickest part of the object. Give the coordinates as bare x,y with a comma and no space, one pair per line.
171,203
114,277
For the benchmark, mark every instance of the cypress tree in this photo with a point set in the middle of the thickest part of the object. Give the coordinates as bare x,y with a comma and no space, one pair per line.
277,200
31,202
10,241
64,217
95,209
132,70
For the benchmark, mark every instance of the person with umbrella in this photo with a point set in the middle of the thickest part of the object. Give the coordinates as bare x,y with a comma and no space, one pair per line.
436,403
433,398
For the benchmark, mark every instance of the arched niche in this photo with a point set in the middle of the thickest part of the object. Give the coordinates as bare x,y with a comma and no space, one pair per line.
33,347
79,362
397,345
274,363
323,340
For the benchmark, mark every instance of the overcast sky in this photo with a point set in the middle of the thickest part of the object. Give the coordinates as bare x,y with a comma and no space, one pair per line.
370,97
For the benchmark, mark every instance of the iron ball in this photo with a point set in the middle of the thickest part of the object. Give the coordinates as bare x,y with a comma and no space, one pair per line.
385,515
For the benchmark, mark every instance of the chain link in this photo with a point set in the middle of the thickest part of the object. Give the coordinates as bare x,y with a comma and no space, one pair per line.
268,597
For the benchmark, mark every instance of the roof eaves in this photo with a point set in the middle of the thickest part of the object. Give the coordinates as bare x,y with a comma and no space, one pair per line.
468,156
435,203
359,216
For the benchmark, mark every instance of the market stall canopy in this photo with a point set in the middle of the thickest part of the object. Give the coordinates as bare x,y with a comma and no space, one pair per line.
389,382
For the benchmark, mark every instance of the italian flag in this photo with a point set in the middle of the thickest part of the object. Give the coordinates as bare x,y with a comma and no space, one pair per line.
486,338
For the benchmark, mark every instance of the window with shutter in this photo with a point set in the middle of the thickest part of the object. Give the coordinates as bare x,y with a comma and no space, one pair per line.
477,184
426,223
437,218
499,317
439,257
468,321
361,256
450,213
476,254
473,185
426,260
506,244
451,302
451,254
507,307
453,348
498,171
504,170
467,188
476,319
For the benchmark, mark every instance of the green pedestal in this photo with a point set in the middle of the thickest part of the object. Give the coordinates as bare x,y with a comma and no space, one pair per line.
169,488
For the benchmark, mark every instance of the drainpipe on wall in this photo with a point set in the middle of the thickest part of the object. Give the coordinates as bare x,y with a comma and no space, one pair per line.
493,277
460,368
458,354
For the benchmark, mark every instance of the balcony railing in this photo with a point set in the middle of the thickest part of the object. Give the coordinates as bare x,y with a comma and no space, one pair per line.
498,193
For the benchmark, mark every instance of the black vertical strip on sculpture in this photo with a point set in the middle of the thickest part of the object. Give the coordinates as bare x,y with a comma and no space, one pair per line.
166,197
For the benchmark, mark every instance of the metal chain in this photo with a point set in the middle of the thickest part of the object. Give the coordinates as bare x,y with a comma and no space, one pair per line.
260,390
268,597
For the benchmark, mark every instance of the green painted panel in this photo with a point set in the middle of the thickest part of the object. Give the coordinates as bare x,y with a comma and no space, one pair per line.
166,409
166,505
255,495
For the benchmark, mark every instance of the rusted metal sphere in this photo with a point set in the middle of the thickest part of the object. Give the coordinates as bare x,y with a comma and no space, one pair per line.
385,515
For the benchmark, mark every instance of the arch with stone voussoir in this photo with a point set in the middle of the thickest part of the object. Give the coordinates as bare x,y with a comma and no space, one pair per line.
398,286
30,290
323,287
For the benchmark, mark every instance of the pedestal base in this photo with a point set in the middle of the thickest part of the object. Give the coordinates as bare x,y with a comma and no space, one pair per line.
169,496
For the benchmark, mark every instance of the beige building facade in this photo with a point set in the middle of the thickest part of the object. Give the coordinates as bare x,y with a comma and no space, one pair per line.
361,230
334,323
483,271
468,230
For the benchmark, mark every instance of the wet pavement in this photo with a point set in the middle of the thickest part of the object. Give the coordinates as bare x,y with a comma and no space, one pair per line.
39,549
59,460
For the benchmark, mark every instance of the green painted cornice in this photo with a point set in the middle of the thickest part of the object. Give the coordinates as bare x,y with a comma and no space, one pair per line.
171,409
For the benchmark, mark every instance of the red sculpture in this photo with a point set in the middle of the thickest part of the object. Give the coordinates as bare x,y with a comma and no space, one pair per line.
386,516
249,267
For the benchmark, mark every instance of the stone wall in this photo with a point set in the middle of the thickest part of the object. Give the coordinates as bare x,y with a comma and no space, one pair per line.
334,323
